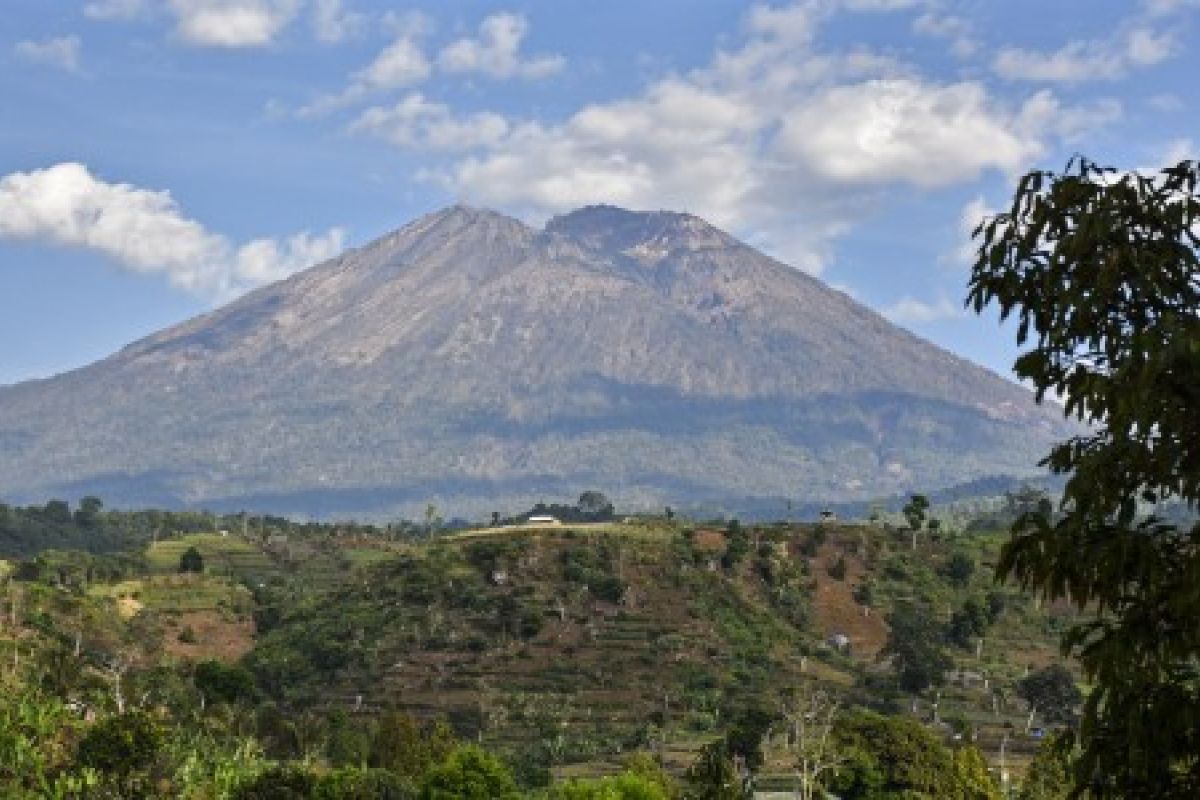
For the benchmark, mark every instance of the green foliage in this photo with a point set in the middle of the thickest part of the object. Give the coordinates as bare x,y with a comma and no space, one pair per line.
1049,774
914,511
36,736
892,757
864,593
1099,268
914,644
121,744
469,773
279,782
971,780
408,747
626,786
967,624
744,740
737,546
354,783
223,683
714,776
191,561
1052,691
959,569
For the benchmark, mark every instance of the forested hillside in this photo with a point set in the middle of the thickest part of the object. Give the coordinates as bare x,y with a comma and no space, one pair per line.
326,657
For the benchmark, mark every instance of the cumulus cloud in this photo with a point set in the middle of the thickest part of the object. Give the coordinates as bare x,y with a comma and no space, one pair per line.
496,51
415,122
402,64
903,130
957,30
144,231
785,144
63,52
333,23
1080,61
232,23
910,309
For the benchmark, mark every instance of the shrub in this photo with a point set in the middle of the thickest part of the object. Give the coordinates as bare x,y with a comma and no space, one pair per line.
120,745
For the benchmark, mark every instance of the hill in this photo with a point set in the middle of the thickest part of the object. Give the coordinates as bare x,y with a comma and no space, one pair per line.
472,361
561,649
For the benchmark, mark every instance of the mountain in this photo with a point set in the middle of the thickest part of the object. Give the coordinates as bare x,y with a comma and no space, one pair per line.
471,361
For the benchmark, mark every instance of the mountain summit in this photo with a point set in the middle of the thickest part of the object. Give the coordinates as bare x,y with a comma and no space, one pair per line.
471,360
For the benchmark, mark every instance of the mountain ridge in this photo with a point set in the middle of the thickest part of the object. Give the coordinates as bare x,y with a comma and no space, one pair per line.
468,357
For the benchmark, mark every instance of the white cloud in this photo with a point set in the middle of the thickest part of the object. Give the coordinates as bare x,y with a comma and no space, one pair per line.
63,52
903,130
973,213
1159,8
415,122
784,144
496,52
1080,61
1044,113
232,23
400,64
115,9
333,23
144,231
1145,48
1179,150
957,30
909,309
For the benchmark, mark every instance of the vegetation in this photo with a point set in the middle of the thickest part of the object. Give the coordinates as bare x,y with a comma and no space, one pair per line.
1100,269
530,661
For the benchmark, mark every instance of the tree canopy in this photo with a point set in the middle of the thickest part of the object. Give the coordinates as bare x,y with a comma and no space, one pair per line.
1100,270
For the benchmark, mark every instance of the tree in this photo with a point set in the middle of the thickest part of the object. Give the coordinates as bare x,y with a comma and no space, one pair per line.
1052,692
469,773
816,753
279,782
914,644
1101,270
223,683
914,513
838,570
891,757
594,504
626,786
1049,774
120,745
967,624
714,775
191,561
738,545
959,569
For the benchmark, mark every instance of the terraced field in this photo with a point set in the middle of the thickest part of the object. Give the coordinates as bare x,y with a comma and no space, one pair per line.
226,555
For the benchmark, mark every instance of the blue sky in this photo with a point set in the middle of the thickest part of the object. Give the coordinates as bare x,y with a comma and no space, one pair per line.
159,157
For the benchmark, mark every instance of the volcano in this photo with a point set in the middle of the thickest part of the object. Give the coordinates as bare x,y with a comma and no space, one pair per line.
469,360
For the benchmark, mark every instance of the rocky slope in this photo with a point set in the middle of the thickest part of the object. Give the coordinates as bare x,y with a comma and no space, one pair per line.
469,360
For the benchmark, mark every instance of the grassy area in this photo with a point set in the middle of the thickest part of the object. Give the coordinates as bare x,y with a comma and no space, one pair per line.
226,555
177,594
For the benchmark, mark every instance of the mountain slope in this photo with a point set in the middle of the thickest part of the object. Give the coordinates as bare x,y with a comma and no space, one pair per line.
470,359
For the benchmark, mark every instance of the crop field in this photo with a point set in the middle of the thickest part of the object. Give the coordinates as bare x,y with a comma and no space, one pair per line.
227,555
